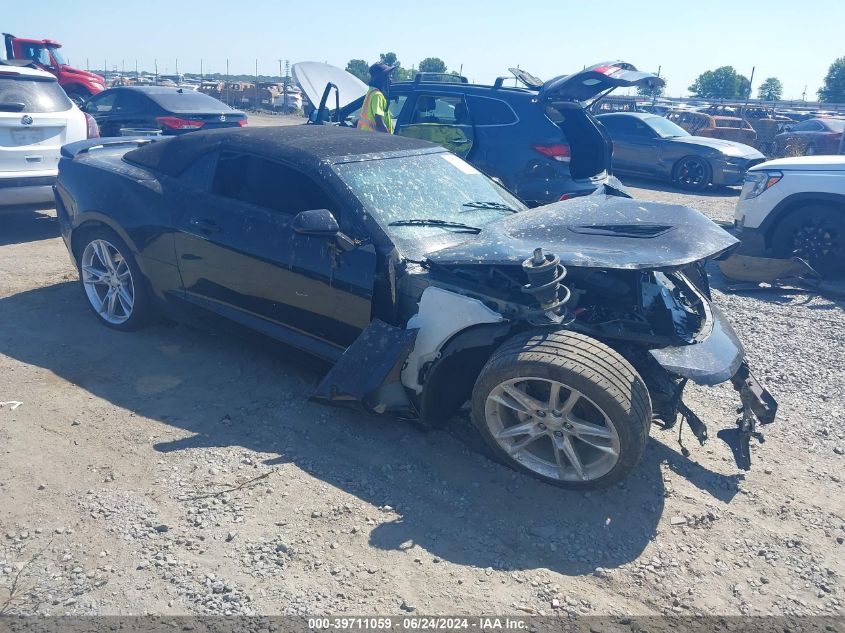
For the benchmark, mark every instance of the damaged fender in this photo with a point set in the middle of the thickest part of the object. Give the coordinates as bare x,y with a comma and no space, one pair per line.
368,374
373,372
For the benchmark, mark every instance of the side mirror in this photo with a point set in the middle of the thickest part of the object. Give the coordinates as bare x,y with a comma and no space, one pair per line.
316,222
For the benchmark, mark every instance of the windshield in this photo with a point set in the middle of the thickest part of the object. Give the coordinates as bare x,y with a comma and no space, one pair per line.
439,188
665,128
57,55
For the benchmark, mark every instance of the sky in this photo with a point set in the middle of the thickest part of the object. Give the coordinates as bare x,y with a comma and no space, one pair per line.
782,38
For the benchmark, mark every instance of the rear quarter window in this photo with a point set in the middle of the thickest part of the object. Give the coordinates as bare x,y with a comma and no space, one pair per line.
188,101
38,96
488,111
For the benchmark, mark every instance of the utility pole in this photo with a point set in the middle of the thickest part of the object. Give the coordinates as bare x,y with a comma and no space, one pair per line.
228,95
201,75
136,69
87,65
156,75
106,71
748,95
177,71
654,94
804,94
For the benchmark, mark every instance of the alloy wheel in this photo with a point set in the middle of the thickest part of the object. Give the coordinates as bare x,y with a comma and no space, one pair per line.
108,281
815,240
552,429
692,172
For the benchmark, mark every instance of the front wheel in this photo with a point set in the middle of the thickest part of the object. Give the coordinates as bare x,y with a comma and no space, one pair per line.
692,173
815,233
563,407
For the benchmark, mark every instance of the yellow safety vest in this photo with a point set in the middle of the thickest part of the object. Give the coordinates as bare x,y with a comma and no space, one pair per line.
367,119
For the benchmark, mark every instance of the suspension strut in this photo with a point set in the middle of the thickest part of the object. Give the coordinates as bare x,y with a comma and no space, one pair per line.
545,273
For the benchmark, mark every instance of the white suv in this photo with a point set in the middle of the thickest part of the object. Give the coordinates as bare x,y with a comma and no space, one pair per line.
795,206
36,119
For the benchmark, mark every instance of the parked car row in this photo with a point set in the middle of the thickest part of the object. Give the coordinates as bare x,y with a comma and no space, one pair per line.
36,119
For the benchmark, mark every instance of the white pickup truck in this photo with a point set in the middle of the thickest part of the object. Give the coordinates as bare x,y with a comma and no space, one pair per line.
795,206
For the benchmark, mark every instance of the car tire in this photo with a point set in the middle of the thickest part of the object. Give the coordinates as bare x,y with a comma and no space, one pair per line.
114,289
600,410
815,233
692,173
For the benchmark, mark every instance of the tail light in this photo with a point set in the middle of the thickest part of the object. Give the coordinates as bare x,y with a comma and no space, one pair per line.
177,123
92,129
558,152
243,122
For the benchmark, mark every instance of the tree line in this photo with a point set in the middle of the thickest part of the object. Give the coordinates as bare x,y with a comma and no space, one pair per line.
361,68
726,83
721,83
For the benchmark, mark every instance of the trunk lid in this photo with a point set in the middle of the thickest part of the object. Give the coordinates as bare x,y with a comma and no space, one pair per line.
597,231
33,146
594,82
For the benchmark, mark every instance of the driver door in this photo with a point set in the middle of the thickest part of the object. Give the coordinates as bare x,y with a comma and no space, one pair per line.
441,119
634,144
240,257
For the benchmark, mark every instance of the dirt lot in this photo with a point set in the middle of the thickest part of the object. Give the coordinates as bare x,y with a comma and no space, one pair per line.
173,470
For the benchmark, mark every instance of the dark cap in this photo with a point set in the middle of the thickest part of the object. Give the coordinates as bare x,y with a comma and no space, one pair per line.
380,69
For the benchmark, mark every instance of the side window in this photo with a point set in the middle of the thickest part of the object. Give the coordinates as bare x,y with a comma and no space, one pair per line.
36,53
130,102
486,111
265,183
442,109
396,104
102,103
814,126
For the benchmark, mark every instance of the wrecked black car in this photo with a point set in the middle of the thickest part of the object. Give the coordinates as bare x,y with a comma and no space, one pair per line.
568,329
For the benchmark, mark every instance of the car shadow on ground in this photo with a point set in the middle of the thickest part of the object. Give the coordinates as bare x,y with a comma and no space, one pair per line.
225,391
22,225
712,191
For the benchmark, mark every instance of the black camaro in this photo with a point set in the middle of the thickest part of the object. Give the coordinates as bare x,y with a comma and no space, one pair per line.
569,328
649,145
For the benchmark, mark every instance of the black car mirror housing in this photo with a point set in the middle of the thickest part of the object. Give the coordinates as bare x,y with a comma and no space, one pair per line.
322,223
316,222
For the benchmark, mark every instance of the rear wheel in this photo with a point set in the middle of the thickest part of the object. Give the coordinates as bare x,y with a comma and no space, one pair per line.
564,408
692,173
815,233
114,286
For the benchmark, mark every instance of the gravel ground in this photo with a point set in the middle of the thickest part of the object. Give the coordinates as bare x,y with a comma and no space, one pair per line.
175,471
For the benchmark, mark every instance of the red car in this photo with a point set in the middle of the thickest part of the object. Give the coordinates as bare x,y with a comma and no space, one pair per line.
78,84
813,136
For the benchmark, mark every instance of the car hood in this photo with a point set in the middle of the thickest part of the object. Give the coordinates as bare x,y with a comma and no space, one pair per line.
728,148
595,81
313,77
597,231
805,163
83,73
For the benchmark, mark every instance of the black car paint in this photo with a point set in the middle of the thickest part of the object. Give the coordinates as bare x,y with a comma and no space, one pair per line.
254,268
136,108
648,154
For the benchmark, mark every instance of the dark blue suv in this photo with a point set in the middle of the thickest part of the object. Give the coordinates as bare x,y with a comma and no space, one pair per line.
538,139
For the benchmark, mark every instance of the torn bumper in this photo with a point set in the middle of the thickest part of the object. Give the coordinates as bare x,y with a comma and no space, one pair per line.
716,359
708,362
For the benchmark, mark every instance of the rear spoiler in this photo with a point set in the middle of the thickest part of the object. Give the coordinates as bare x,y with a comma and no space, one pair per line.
72,150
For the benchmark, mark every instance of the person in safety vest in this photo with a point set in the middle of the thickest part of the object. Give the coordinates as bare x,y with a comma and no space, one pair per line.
375,117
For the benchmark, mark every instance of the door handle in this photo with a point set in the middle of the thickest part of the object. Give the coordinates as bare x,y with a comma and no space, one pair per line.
459,141
205,225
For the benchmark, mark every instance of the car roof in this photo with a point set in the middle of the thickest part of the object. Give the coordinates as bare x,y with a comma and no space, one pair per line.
454,86
303,145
